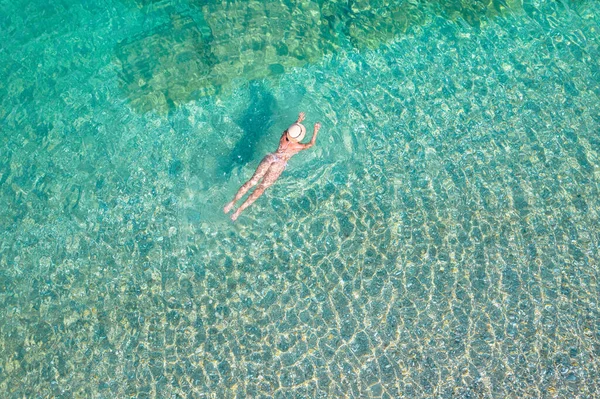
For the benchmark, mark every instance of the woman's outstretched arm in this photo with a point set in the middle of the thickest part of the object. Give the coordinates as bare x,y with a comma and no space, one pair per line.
314,137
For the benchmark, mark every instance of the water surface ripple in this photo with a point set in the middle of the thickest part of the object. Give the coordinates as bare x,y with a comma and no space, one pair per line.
440,241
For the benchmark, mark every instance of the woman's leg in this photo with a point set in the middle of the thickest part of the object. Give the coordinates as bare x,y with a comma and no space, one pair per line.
260,171
270,178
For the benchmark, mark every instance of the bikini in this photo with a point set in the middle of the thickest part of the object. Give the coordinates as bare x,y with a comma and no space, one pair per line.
274,157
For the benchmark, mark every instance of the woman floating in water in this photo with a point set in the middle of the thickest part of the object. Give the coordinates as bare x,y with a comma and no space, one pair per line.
273,164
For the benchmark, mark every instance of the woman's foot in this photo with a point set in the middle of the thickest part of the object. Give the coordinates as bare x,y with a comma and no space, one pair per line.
235,215
228,207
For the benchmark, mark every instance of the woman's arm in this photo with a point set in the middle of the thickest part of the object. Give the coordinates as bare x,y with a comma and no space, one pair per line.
314,137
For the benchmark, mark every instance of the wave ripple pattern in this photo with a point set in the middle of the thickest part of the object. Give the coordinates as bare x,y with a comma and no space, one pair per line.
440,241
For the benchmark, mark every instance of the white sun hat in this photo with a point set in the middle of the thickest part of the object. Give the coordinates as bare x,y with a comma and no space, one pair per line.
296,132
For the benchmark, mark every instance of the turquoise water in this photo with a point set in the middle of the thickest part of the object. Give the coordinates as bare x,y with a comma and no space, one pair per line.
440,241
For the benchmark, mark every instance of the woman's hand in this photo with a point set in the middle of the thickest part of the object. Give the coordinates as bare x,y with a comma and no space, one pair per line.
301,117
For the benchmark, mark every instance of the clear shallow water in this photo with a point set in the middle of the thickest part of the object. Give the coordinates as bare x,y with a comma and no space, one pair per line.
440,241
